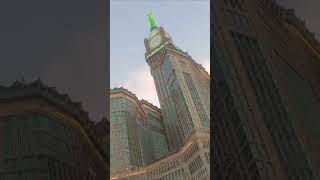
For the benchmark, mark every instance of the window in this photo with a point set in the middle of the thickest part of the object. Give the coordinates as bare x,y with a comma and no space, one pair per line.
234,4
239,21
196,100
9,135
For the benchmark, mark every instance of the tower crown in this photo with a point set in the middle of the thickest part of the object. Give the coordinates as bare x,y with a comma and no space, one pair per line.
152,22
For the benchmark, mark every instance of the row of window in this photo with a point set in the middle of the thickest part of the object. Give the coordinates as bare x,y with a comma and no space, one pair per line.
179,174
225,144
195,165
239,21
20,176
139,150
165,97
197,101
160,145
207,155
191,151
202,174
206,144
270,102
134,142
184,114
18,134
165,168
234,4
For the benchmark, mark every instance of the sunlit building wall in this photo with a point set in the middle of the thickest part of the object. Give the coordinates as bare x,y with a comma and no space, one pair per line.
137,134
182,86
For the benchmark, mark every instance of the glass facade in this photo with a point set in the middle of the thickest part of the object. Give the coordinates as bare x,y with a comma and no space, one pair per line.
232,138
137,132
183,91
36,146
157,133
191,162
170,117
271,103
257,94
197,101
125,145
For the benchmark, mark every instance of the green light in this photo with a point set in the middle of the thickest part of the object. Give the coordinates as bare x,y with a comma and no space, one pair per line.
151,21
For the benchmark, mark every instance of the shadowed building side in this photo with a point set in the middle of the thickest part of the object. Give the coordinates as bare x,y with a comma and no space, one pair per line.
44,135
266,99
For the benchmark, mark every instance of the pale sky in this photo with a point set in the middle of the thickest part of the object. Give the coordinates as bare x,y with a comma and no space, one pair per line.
187,21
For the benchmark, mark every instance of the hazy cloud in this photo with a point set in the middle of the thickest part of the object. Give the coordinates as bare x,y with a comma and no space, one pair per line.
205,62
141,83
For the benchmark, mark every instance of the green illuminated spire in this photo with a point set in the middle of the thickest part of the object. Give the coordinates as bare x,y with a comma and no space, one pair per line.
151,21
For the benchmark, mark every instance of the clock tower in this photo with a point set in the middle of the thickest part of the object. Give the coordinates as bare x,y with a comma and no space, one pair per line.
157,37
182,87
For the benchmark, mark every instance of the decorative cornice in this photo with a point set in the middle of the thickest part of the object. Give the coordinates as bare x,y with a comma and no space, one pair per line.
150,105
124,90
289,16
38,89
132,95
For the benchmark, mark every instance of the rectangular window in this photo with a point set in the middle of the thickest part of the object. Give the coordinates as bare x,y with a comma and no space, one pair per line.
239,21
234,4
197,101
9,135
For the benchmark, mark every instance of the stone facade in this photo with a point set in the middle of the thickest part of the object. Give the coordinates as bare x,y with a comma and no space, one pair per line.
266,70
183,89
138,136
191,162
44,135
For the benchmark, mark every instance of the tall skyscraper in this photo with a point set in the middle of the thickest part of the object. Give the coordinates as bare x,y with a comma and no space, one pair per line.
182,86
183,120
266,108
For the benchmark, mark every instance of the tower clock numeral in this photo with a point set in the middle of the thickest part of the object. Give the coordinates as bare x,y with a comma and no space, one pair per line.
155,41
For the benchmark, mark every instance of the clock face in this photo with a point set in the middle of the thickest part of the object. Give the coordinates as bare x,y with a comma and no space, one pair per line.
153,32
155,41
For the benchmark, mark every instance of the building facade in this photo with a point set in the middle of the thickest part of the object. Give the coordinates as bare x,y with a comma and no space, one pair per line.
102,131
182,86
137,132
183,89
266,104
157,133
44,135
191,162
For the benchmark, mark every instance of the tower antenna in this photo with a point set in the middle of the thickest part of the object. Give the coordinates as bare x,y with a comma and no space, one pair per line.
152,22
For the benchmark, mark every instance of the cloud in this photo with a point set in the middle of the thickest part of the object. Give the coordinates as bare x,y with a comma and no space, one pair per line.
141,83
205,62
206,65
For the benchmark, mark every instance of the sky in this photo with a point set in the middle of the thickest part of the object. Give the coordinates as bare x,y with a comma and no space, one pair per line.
65,43
187,21
62,42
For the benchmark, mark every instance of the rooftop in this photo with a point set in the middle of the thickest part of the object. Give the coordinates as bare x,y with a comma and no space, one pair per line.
289,16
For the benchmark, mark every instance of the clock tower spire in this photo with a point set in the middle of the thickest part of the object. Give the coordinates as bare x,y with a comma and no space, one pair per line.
152,22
